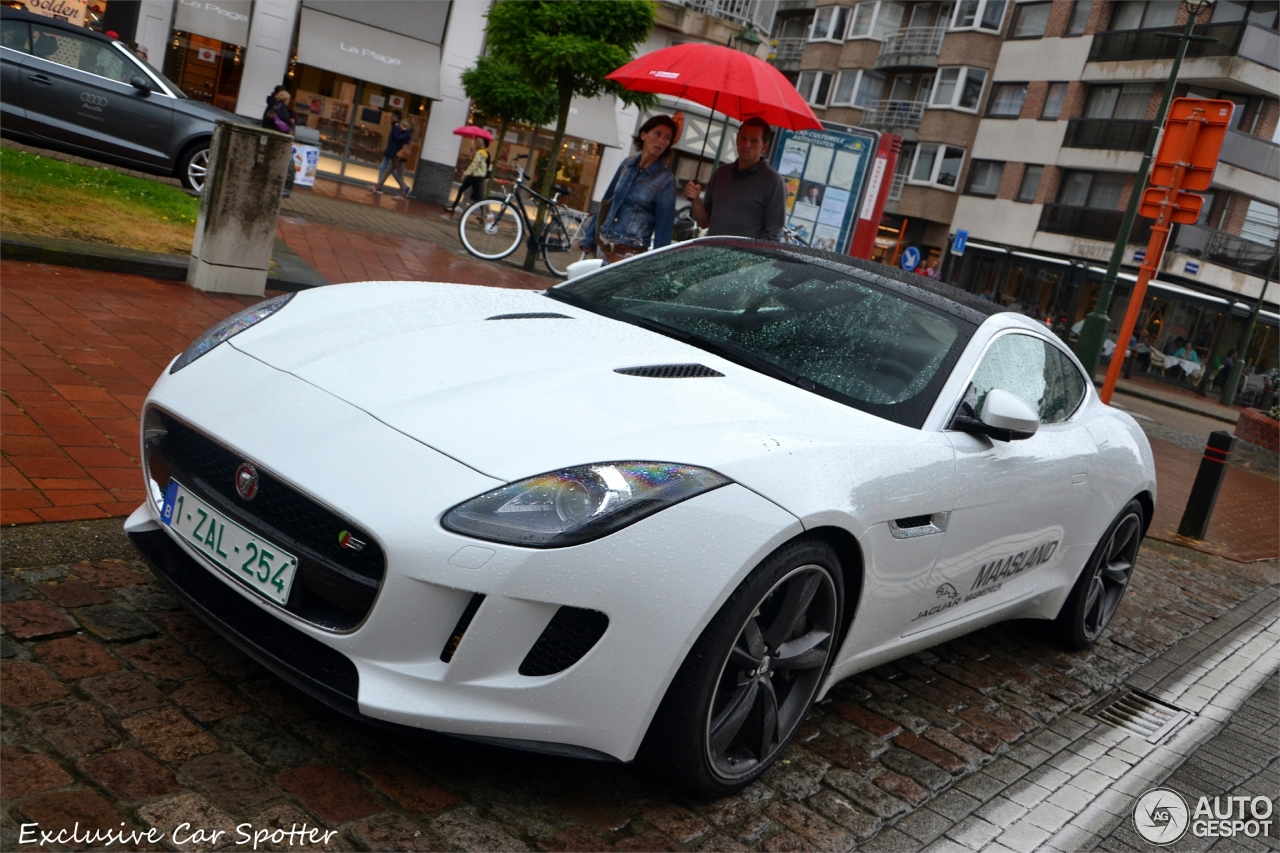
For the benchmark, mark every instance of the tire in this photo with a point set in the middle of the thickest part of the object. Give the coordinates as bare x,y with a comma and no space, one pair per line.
491,229
557,253
1102,582
193,166
734,705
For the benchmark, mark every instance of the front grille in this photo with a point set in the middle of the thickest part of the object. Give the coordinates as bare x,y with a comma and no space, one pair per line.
671,371
334,586
568,636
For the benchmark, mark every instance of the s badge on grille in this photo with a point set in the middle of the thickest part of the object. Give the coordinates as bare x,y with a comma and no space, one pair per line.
346,540
247,481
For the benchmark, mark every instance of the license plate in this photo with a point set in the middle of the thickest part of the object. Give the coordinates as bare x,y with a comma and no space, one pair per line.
258,564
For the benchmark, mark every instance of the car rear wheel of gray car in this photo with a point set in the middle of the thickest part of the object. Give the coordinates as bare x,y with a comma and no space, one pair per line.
1097,593
751,678
193,166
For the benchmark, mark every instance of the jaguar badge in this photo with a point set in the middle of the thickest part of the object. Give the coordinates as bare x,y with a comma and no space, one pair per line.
247,481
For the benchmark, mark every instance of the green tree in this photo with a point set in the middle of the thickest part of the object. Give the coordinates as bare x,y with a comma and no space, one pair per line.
503,93
568,46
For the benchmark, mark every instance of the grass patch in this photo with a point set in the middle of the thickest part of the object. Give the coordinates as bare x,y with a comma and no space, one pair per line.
57,199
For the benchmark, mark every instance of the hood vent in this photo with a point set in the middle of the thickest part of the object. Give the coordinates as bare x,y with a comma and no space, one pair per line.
531,315
671,371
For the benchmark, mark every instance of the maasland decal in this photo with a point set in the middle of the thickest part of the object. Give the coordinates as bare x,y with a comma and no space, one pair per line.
990,578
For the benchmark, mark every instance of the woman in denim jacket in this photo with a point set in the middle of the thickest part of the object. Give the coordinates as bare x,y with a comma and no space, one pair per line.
643,198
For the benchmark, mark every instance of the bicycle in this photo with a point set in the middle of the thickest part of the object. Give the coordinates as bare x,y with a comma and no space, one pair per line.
493,228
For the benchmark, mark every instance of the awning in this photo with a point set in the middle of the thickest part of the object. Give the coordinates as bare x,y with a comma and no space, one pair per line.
226,20
593,119
368,53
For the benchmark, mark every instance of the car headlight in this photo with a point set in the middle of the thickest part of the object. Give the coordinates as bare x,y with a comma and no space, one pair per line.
229,328
576,505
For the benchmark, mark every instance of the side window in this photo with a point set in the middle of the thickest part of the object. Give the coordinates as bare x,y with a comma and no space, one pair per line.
84,54
16,35
1033,370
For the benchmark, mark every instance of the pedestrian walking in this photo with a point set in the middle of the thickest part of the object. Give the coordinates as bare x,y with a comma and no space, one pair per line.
279,116
477,170
639,206
745,198
395,155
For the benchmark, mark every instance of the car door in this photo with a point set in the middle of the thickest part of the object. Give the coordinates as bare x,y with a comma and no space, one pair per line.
1020,505
15,45
77,92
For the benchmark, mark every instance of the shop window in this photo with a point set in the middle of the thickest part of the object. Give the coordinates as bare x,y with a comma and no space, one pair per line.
205,69
858,88
958,88
830,23
979,14
1006,101
937,165
1144,14
1079,17
1030,183
1029,20
984,177
814,87
1053,100
1121,103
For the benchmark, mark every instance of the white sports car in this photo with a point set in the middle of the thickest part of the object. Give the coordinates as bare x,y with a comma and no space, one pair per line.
656,511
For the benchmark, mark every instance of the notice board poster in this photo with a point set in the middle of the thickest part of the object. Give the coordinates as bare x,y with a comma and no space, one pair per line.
824,172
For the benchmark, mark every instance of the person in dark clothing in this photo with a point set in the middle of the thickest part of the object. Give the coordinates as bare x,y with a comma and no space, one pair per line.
397,151
745,198
278,116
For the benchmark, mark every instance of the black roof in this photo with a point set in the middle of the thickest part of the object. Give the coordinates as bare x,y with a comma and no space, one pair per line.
10,13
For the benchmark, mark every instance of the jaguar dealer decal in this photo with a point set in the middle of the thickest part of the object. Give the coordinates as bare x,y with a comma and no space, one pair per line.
990,578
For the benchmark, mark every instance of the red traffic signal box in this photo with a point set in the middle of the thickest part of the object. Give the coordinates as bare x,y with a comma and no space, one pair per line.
1203,160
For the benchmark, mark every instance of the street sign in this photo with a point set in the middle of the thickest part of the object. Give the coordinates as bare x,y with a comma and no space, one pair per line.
1203,157
910,258
1139,255
957,247
1186,206
1191,267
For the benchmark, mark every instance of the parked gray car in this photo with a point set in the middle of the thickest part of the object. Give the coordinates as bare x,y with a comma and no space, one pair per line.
70,89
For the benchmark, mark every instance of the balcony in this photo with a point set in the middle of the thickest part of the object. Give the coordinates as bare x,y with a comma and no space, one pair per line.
1092,223
1225,250
912,46
894,115
1255,43
895,188
759,13
1252,154
1112,134
785,53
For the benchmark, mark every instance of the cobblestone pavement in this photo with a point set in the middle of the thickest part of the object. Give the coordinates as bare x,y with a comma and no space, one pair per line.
119,707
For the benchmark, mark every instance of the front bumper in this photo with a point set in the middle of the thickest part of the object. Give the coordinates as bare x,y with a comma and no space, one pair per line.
658,581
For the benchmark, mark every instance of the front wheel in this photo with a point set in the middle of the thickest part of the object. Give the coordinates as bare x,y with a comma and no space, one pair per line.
557,249
1097,593
193,166
491,229
751,678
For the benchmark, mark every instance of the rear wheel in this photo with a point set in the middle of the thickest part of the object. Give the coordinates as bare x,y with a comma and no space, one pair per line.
557,248
193,166
1097,593
751,678
491,229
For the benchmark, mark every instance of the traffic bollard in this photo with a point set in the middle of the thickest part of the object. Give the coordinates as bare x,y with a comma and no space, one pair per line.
1204,492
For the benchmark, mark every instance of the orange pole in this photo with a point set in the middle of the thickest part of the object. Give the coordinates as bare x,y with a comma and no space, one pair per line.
897,247
1155,251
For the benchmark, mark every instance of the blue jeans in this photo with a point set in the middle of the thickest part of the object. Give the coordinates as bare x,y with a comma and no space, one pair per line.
392,166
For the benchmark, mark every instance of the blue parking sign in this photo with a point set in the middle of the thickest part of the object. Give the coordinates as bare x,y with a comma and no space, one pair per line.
957,247
910,258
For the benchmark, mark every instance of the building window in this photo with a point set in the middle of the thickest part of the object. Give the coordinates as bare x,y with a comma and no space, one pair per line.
1140,15
1079,17
1261,12
1006,101
1122,103
876,19
959,88
937,165
1097,190
1053,100
1029,20
983,14
814,87
984,177
1030,183
857,88
830,23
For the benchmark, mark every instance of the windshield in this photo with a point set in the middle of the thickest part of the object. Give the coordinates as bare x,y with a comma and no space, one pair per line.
826,327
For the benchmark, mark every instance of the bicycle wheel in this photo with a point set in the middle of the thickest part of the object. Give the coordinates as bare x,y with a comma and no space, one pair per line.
491,229
557,248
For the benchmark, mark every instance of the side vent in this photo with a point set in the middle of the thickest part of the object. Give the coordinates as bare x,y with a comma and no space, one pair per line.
532,315
464,622
671,371
568,636
913,521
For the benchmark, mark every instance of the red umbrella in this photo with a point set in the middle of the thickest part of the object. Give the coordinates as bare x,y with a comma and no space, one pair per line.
720,78
472,130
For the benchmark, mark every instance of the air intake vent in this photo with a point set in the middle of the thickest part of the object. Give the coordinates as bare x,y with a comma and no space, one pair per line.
570,635
1139,713
671,371
914,521
464,622
532,315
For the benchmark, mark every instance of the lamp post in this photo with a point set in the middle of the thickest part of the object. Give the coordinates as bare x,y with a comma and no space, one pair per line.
1089,345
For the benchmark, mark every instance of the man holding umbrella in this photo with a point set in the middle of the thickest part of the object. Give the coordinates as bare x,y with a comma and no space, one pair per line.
745,198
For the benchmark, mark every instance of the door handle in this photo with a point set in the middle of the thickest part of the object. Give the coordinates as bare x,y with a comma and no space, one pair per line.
40,78
919,525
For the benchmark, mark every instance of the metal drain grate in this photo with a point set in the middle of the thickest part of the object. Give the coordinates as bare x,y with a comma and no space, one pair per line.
1139,713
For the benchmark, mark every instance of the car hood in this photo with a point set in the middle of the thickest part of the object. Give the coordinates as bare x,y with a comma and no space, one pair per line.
523,395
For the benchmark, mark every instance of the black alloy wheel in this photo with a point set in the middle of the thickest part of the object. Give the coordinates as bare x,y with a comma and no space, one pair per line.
1096,595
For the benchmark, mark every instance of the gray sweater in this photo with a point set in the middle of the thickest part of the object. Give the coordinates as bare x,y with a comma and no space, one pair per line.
746,203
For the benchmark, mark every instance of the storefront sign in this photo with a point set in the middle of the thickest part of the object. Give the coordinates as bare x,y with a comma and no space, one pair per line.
368,53
824,172
71,11
305,160
224,20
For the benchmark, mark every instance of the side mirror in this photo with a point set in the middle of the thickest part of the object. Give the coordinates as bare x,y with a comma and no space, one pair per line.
583,267
1005,417
140,83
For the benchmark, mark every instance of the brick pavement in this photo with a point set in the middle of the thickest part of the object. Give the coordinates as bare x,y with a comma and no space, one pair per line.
121,708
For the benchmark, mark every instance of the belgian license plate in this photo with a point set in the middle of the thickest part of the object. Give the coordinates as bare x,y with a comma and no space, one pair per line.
258,564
